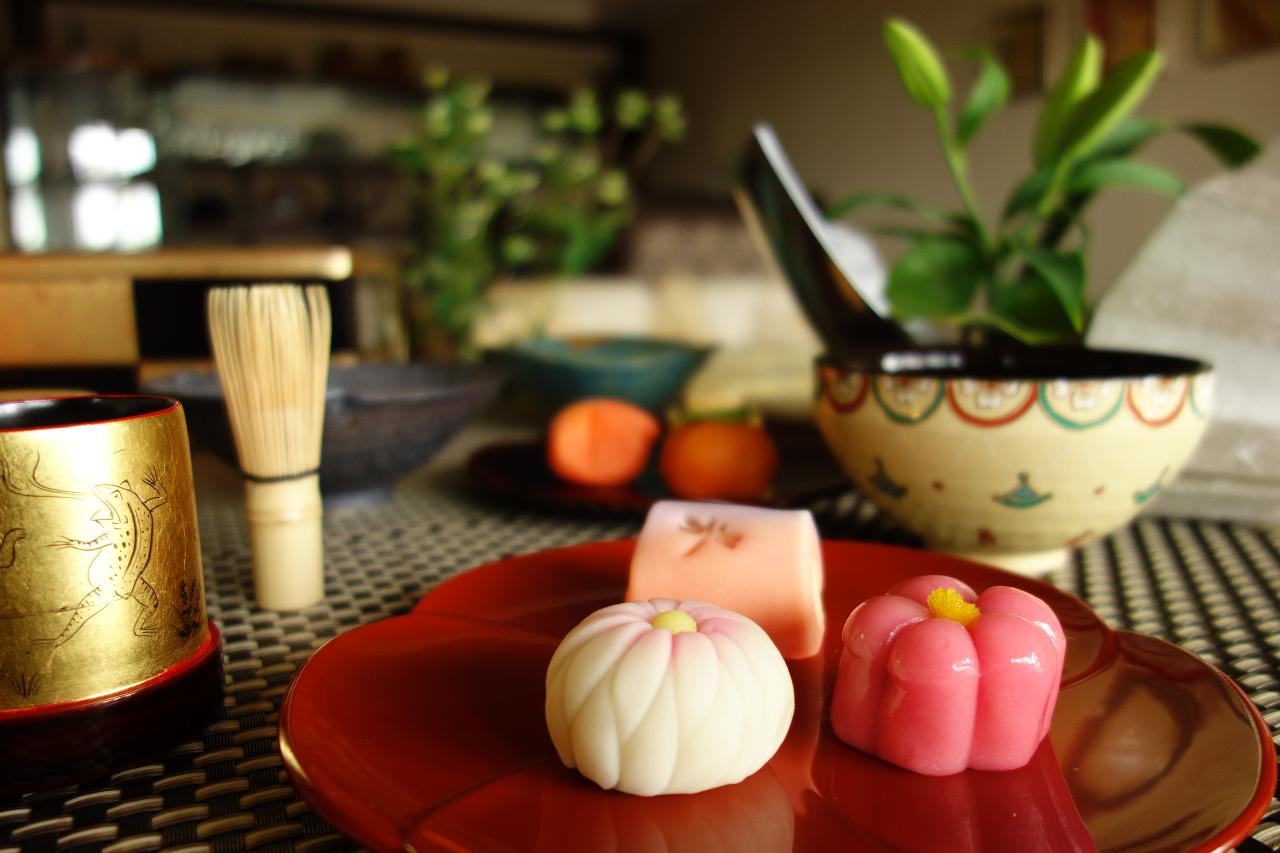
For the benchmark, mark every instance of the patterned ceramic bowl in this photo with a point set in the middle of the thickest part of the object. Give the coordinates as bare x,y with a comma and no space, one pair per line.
1012,457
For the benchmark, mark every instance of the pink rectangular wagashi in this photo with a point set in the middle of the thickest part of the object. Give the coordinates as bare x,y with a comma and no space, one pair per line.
763,563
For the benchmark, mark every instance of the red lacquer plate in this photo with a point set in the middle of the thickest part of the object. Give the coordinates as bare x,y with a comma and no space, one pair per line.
426,732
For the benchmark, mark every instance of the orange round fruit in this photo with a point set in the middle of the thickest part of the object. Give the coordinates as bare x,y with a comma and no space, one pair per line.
601,441
718,459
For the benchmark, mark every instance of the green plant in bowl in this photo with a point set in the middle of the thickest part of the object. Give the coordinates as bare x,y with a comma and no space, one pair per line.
1024,277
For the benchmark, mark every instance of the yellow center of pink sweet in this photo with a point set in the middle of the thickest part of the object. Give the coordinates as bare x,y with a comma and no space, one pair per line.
946,603
675,621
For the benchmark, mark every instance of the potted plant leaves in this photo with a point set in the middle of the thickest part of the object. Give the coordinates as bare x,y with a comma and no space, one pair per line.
589,163
460,192
557,211
1007,453
1024,276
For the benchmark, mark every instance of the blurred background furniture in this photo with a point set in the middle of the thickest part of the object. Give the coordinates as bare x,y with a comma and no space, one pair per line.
108,321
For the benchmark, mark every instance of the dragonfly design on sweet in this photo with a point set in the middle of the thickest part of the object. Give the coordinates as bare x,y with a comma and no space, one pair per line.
710,531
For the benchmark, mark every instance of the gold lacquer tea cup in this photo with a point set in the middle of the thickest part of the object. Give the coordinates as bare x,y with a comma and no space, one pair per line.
103,629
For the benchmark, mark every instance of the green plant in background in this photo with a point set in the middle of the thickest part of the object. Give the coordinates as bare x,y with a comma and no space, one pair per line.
460,192
560,212
1026,276
588,165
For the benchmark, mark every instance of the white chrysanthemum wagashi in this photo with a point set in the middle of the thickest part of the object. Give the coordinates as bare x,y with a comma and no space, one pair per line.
667,697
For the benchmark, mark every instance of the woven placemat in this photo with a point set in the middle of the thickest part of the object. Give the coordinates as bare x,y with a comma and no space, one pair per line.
1211,587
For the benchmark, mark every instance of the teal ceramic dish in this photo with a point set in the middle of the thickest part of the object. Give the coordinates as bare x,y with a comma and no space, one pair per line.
649,372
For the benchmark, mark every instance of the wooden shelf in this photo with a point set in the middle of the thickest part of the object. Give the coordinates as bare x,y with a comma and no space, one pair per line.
107,310
326,263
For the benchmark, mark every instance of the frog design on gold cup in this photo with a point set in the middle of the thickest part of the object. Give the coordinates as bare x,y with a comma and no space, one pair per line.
121,553
117,574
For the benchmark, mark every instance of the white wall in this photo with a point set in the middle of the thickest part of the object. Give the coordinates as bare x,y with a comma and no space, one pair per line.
818,71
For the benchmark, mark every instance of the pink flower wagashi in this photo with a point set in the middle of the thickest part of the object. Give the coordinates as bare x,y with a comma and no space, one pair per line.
937,679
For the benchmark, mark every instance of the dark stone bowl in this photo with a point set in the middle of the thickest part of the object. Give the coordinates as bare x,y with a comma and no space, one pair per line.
381,420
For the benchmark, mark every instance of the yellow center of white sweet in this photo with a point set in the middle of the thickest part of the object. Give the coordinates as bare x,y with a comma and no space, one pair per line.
946,603
675,621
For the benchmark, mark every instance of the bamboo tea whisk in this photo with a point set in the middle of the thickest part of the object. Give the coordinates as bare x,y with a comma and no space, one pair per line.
271,346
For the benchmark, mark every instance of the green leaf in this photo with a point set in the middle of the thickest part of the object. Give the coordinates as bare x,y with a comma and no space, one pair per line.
1063,273
1127,137
1029,311
745,414
631,108
1093,175
409,157
1078,79
1026,195
668,115
917,63
965,227
961,229
899,233
1233,148
935,278
988,94
1094,117
1025,333
587,240
1061,226
858,201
